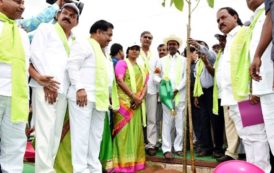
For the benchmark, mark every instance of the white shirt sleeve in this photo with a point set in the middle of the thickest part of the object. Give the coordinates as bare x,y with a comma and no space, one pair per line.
78,53
38,50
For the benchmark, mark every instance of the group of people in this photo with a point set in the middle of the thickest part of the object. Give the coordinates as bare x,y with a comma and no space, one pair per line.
240,53
112,101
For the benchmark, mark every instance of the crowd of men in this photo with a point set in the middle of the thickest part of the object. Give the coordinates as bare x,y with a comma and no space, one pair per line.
75,75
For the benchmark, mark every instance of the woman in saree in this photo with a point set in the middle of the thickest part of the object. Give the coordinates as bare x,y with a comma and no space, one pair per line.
128,140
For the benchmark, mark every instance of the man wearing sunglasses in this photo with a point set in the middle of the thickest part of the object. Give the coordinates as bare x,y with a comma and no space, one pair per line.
148,61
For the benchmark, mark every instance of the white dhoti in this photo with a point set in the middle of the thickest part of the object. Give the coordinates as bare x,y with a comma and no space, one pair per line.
13,140
254,139
169,121
49,119
87,125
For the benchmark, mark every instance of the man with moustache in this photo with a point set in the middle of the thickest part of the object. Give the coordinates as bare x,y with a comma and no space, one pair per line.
254,137
173,67
91,75
230,129
14,62
50,50
162,51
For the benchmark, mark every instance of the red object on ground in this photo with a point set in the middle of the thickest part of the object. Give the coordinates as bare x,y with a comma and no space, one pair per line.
30,152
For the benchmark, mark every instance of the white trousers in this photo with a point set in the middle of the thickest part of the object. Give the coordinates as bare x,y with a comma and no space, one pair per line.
13,140
254,139
267,103
49,119
151,107
87,125
169,121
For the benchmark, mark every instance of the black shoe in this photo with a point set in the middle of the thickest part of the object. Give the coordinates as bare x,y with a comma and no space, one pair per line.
198,149
151,151
179,153
217,154
204,153
242,156
158,145
224,158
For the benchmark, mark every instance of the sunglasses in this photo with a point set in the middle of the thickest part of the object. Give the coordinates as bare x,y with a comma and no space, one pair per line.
147,37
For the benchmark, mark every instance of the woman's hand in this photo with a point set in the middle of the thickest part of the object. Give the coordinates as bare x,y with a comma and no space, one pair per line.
136,102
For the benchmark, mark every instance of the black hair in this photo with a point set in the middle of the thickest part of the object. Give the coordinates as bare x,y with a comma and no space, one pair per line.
232,12
115,48
59,11
203,43
160,45
145,32
138,48
101,25
191,48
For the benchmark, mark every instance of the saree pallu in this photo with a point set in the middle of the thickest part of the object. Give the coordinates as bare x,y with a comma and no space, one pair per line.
63,163
128,140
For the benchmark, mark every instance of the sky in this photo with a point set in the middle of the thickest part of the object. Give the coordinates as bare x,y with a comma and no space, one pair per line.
131,17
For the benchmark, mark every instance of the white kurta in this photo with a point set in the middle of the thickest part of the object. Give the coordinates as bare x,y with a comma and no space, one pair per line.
49,57
253,137
263,88
170,121
12,135
86,123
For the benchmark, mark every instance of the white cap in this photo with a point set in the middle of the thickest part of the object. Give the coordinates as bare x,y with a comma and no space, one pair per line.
73,6
133,44
173,38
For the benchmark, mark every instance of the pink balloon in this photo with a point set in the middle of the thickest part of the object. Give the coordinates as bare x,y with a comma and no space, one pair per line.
237,166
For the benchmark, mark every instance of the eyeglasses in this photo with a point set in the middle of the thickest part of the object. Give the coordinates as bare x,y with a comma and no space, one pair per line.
147,37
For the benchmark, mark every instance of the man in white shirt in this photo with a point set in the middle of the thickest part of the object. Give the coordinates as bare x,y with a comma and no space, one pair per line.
88,68
253,137
14,62
263,88
173,67
148,61
50,51
162,52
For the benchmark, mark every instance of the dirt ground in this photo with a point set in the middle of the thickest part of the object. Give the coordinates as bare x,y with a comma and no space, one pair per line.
157,169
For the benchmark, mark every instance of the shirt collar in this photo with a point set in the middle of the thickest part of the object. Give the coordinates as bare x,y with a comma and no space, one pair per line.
175,55
257,11
234,31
